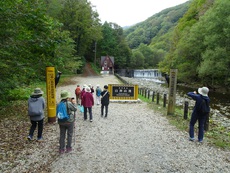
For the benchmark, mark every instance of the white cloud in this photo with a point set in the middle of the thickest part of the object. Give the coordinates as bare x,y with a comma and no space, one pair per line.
129,12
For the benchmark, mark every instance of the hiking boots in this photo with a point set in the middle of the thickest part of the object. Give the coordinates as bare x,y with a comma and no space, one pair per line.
61,151
68,150
40,139
30,138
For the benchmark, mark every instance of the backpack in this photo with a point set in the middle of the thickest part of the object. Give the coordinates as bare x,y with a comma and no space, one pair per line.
34,107
98,92
62,112
204,107
78,91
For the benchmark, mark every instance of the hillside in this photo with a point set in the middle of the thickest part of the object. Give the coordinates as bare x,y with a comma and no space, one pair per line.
155,26
192,37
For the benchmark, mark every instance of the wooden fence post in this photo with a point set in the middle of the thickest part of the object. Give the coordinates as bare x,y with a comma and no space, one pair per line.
148,93
186,110
164,102
158,98
206,125
153,96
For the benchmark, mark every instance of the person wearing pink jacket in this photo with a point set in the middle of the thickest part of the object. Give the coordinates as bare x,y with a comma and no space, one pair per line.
87,101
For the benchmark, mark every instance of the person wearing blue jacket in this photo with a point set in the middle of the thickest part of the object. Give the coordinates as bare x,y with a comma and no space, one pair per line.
67,127
197,114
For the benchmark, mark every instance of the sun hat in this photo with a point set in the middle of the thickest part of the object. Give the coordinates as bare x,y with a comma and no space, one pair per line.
37,91
65,94
106,87
84,86
203,91
98,85
87,89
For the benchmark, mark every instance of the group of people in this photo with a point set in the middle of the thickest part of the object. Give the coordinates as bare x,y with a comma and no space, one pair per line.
85,98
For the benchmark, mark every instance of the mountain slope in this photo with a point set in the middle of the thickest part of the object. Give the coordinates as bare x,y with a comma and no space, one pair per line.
155,26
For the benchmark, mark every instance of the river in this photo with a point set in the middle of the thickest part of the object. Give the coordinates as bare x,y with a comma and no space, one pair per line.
219,101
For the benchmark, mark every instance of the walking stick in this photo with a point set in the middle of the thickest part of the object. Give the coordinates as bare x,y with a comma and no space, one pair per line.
74,128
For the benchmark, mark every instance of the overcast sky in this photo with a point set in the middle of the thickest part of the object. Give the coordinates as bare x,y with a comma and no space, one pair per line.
129,12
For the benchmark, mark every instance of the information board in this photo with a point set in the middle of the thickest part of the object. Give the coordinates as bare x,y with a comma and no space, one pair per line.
123,92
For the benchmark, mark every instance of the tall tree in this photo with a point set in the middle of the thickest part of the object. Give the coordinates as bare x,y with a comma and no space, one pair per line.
215,59
30,41
80,20
114,44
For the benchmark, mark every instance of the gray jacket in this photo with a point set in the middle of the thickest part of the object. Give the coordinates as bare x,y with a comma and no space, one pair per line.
38,104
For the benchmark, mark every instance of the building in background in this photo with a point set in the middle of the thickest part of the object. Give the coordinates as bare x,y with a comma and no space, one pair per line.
107,64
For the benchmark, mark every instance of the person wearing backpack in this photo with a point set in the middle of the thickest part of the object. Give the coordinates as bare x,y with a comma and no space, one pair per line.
78,93
66,125
200,112
105,101
98,95
36,106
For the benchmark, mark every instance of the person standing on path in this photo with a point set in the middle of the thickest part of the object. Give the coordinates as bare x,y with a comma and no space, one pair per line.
98,95
78,94
197,114
87,101
91,88
67,126
36,106
83,91
57,78
104,101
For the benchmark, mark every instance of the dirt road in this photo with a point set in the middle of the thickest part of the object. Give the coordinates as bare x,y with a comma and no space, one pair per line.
134,138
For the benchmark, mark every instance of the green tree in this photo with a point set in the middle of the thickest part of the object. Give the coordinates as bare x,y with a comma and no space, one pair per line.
30,41
114,44
80,20
215,58
137,60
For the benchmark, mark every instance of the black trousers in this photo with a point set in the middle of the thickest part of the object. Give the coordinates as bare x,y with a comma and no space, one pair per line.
106,109
33,127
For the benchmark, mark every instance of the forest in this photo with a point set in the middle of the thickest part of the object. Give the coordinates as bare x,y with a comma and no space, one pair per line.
193,37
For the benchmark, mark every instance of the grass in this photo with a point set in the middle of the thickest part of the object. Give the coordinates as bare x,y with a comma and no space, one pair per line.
95,68
217,135
17,107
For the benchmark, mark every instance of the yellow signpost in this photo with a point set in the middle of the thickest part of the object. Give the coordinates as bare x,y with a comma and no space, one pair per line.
51,94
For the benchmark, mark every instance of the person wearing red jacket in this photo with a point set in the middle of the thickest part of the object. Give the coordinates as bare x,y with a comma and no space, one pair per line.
78,93
88,102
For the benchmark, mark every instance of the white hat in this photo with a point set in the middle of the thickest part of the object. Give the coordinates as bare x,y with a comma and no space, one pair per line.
87,89
203,91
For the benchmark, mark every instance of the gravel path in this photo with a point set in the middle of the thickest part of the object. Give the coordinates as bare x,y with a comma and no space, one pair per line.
134,139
